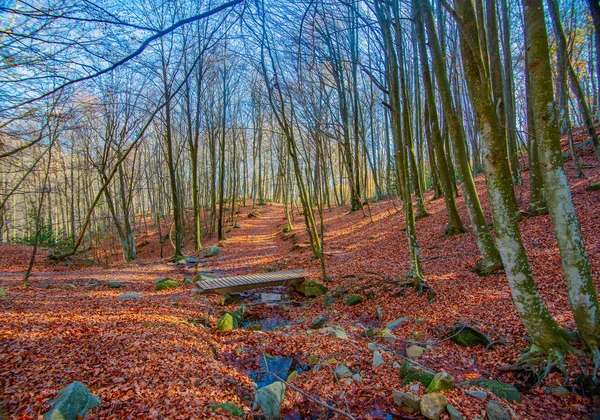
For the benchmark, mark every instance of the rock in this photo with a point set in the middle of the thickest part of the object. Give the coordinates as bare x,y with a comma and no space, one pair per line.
453,412
227,322
372,347
407,367
166,284
188,280
292,376
415,387
329,300
114,284
480,395
3,293
420,321
192,260
341,334
467,336
161,279
415,351
68,287
181,262
318,322
269,399
237,226
433,405
211,251
342,372
312,359
395,324
353,300
230,299
500,389
558,390
130,296
231,408
379,313
410,402
311,288
356,377
72,402
495,411
423,377
377,359
441,381
594,187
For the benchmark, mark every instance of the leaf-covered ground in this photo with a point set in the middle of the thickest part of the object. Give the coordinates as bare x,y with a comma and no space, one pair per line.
160,356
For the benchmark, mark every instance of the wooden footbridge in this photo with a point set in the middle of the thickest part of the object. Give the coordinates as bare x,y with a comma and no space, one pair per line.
250,281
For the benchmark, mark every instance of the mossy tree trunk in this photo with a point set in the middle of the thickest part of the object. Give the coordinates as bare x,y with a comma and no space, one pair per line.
576,265
545,332
491,260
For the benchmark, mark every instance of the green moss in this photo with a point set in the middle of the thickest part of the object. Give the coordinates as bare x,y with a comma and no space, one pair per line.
166,284
114,284
423,377
353,300
500,389
227,322
231,408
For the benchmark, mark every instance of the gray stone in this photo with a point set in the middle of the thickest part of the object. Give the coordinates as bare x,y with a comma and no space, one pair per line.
188,280
414,351
507,391
356,377
433,405
377,359
480,395
269,399
453,412
342,372
395,324
192,260
318,322
495,411
558,390
212,251
130,296
410,402
73,401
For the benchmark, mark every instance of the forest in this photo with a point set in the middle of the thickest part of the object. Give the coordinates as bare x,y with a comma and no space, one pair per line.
310,209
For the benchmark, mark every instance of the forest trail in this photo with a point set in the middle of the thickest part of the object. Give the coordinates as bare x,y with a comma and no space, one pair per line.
160,354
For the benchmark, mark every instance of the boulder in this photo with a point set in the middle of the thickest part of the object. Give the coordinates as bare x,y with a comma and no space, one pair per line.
495,411
453,413
231,408
353,300
318,322
407,367
130,296
466,336
441,381
408,401
72,402
433,405
114,284
211,251
311,288
166,284
415,351
500,389
269,399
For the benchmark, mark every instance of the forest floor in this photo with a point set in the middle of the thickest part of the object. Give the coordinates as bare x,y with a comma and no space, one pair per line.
161,356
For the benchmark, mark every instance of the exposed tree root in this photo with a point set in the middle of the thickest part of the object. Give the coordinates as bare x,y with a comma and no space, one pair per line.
485,268
453,230
419,285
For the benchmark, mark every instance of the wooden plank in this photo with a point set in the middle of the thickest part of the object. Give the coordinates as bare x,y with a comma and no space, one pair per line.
250,281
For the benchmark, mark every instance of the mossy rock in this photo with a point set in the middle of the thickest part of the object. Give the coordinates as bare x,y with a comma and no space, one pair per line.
467,336
166,284
311,288
231,408
424,378
227,322
442,381
406,368
594,187
353,300
500,389
3,293
114,284
161,279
